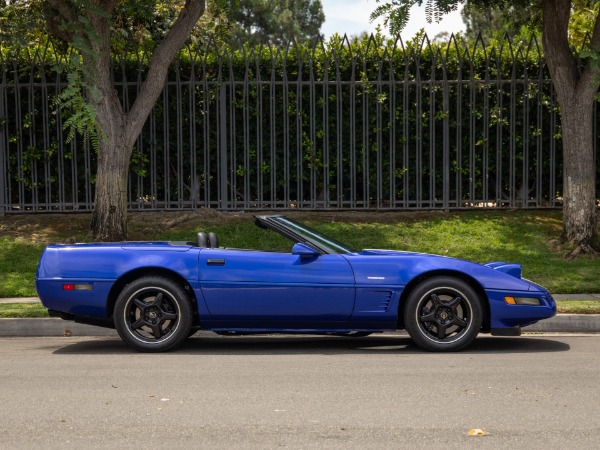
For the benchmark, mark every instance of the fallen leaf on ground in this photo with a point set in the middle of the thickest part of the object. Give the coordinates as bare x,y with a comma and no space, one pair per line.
477,432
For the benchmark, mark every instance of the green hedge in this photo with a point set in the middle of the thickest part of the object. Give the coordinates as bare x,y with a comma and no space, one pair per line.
366,122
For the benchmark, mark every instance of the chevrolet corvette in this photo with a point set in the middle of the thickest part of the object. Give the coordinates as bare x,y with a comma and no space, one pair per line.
157,294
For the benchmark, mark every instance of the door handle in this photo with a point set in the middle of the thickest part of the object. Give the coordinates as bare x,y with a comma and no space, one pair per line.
215,262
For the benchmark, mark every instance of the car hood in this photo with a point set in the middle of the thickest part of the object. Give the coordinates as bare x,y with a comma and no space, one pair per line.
490,274
510,269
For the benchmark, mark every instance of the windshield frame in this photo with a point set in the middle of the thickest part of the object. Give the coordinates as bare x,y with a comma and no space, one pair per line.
300,232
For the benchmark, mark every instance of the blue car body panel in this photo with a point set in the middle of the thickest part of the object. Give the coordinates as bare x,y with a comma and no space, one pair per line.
101,265
400,268
269,287
320,290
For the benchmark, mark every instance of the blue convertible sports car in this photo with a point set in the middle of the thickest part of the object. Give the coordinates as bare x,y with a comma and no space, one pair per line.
156,294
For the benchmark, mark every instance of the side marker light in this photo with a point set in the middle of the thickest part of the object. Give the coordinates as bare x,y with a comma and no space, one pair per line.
77,287
529,301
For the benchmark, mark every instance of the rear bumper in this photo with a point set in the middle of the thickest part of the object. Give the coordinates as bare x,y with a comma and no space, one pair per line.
90,303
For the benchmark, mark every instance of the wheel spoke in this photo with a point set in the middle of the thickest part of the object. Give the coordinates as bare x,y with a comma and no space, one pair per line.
428,317
168,316
454,303
140,304
441,329
436,301
138,324
158,300
459,322
156,330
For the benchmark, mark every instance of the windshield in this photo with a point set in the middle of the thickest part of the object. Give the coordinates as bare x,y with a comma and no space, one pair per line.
322,241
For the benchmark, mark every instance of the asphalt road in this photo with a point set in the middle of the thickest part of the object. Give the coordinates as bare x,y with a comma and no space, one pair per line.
539,391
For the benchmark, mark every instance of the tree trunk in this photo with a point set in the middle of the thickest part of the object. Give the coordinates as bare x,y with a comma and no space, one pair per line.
579,182
109,218
119,130
576,89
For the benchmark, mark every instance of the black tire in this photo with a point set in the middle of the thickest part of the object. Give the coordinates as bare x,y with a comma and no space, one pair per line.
153,314
443,314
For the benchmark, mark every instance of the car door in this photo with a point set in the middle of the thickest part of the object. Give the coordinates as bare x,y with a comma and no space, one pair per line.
260,289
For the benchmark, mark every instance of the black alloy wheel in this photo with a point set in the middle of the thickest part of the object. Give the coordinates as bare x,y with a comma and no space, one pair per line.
153,314
443,314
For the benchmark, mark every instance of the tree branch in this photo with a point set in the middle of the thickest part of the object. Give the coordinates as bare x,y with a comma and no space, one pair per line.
159,67
589,78
57,13
595,42
108,106
555,37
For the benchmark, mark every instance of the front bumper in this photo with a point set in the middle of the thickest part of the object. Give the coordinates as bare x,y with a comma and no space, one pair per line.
504,315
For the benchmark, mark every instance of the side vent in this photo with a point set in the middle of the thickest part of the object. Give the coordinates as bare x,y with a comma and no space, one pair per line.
386,298
373,300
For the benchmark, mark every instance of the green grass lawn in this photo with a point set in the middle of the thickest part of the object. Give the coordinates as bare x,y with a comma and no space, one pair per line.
578,306
22,310
18,263
525,237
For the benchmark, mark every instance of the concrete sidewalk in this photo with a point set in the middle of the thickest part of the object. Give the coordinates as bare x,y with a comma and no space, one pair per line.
576,296
20,300
561,323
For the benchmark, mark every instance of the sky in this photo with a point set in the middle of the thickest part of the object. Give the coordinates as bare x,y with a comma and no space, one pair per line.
352,17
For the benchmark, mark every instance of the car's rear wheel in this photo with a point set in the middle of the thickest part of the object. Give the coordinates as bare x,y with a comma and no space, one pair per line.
153,314
443,314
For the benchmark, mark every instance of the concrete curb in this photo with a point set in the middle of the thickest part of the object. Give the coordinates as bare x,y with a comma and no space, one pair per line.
567,323
50,327
562,323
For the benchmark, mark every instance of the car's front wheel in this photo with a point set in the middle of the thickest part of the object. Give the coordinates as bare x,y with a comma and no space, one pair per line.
153,314
443,314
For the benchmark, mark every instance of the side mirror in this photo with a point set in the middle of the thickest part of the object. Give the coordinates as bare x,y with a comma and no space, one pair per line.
304,251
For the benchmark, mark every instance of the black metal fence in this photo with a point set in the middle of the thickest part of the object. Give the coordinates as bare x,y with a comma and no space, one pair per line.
361,125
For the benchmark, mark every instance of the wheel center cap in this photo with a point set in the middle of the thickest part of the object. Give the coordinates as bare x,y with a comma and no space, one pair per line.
152,315
443,315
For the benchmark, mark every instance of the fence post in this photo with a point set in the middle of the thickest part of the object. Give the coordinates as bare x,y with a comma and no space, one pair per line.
3,149
223,203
